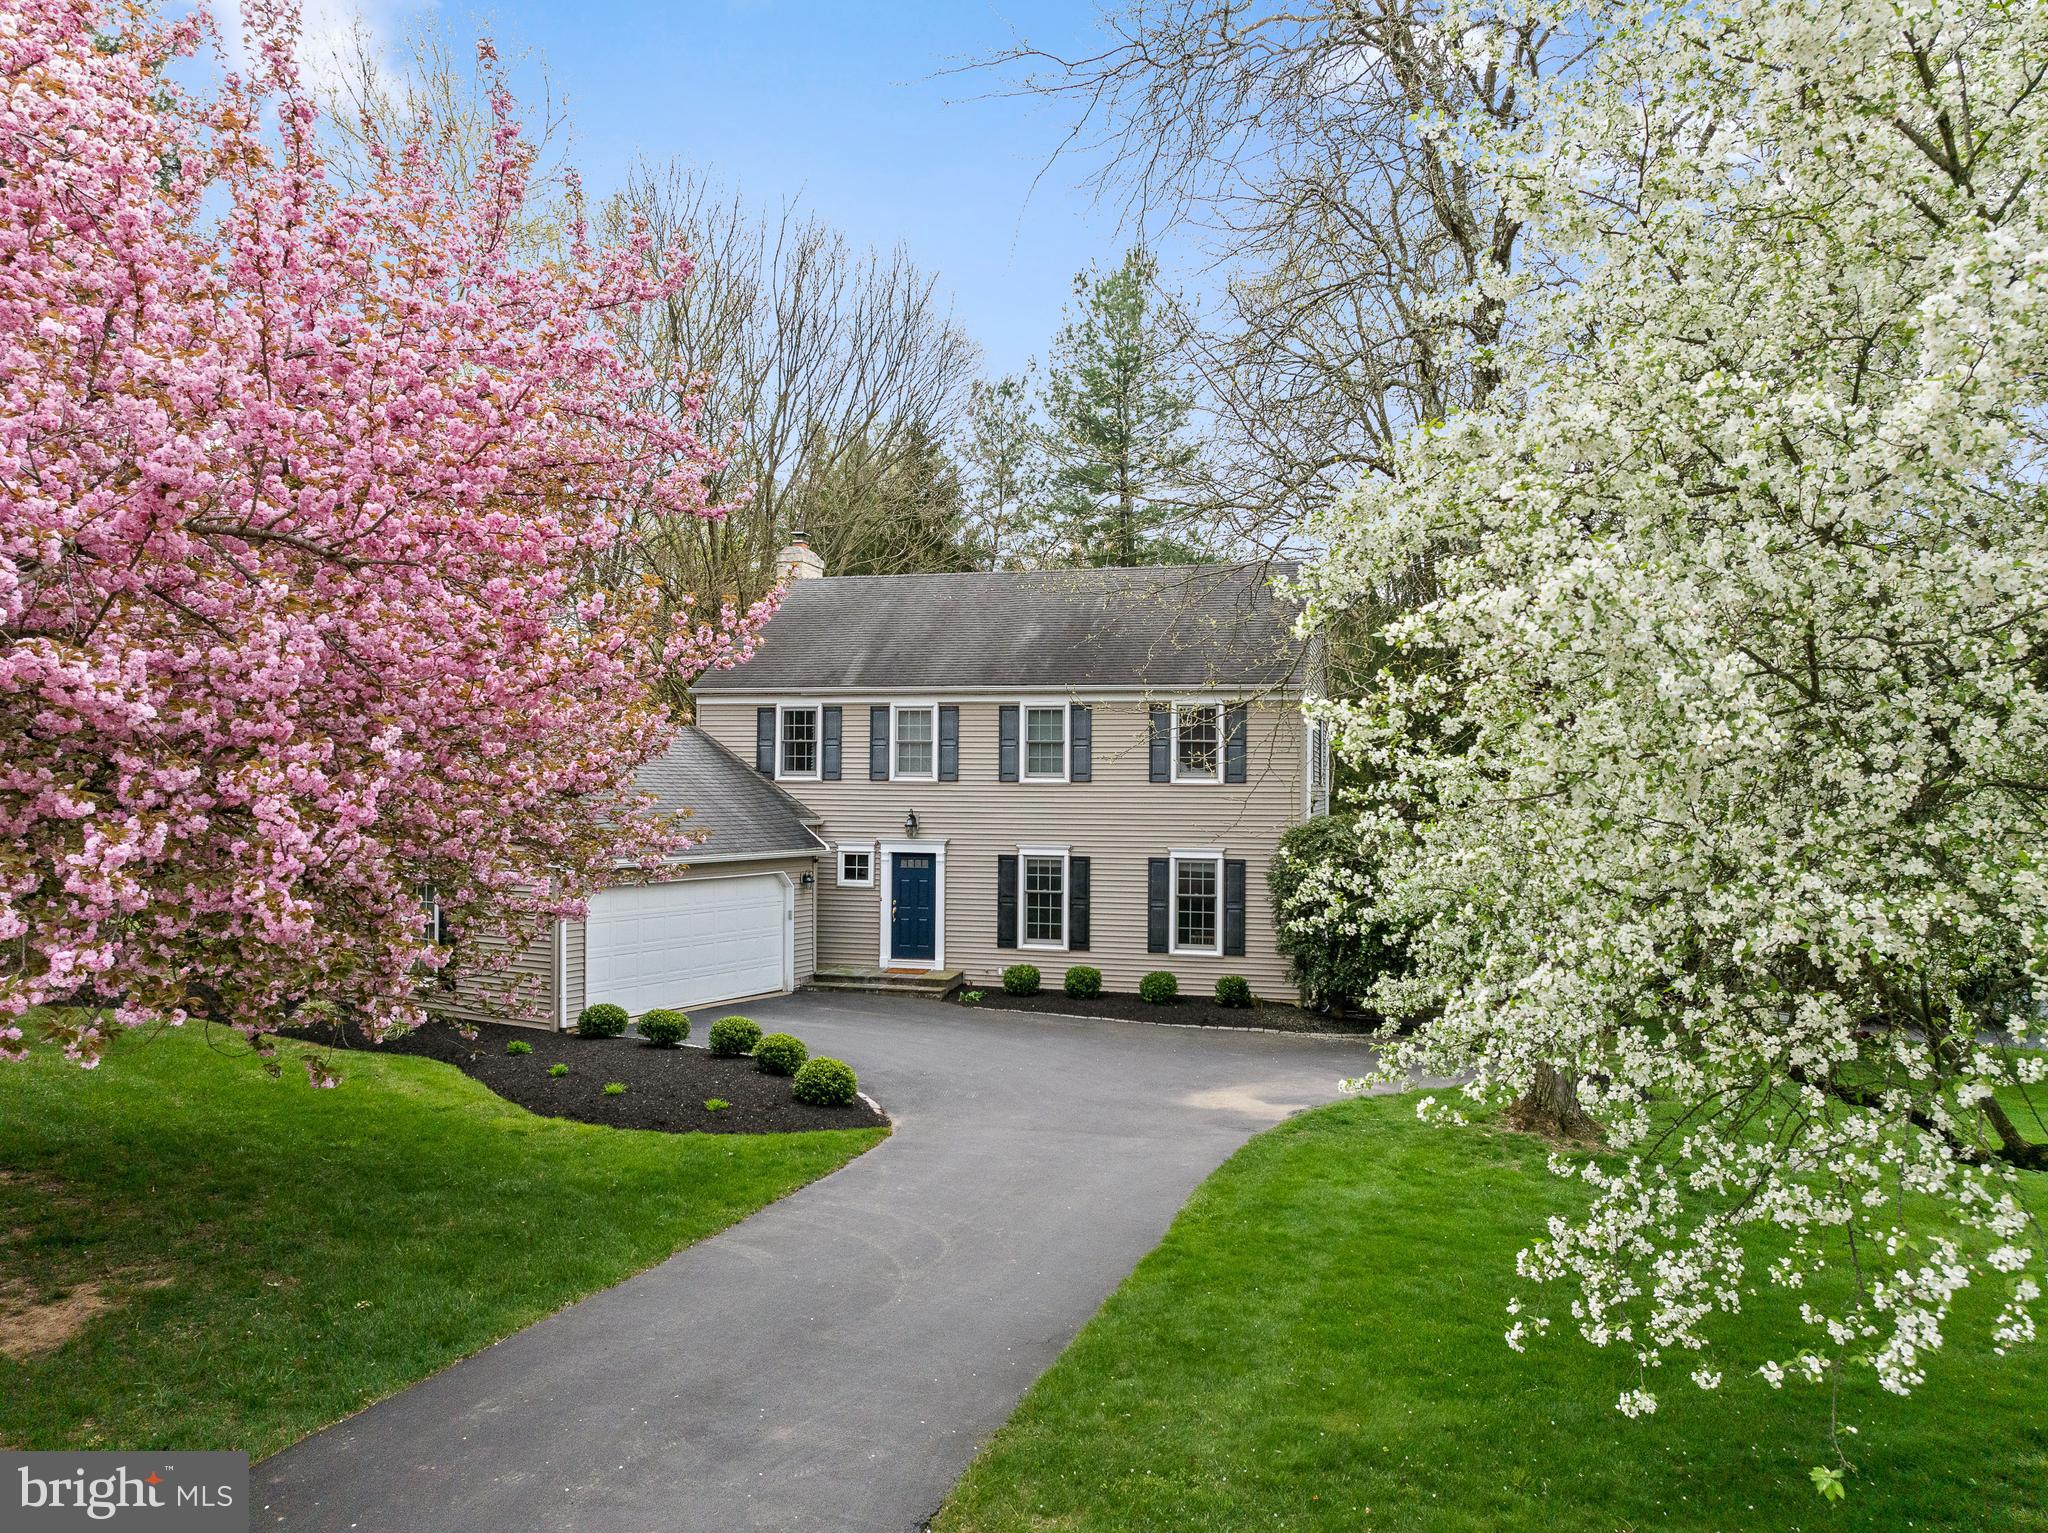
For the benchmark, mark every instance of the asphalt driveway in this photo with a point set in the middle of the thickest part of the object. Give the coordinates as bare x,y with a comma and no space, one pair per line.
830,1364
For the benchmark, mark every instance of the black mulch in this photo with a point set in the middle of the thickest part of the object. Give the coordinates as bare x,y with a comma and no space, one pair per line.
1196,1010
665,1088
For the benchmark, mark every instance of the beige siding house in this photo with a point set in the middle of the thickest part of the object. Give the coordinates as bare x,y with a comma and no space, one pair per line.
1059,767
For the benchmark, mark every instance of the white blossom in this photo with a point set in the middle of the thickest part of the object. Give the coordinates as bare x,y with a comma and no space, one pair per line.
1713,774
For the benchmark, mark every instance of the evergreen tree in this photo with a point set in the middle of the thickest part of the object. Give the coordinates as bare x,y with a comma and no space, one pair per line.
1116,409
885,505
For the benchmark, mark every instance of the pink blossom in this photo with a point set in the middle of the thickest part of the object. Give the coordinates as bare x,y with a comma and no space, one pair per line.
303,492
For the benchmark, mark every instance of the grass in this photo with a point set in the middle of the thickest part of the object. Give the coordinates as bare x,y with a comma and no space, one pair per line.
1316,1345
274,1258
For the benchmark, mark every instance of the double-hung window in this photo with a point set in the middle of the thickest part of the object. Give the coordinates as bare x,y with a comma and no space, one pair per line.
1042,896
1197,742
856,867
1045,742
797,744
914,755
1197,902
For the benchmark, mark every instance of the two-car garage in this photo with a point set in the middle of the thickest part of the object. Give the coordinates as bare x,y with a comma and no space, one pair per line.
691,943
735,917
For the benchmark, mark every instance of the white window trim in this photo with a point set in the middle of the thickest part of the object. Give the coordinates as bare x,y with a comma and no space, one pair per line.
817,711
1066,712
1192,854
865,849
896,709
885,884
1173,771
1024,854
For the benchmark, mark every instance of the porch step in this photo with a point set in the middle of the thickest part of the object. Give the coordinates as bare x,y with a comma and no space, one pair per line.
936,984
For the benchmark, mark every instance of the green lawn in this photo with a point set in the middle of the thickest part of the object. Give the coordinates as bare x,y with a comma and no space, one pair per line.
1317,1345
277,1257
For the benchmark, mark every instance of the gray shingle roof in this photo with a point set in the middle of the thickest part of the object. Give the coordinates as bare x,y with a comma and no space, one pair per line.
736,811
1163,627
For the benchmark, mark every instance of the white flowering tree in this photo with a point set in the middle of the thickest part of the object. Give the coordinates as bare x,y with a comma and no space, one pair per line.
1716,780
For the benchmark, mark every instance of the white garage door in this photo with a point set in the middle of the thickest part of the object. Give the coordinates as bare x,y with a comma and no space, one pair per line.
689,944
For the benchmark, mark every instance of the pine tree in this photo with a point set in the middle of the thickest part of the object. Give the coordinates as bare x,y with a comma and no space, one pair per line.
1116,409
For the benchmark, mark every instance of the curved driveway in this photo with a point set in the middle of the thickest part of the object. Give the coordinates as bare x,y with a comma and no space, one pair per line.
830,1364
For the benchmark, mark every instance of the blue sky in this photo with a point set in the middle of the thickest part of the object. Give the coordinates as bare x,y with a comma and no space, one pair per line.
837,104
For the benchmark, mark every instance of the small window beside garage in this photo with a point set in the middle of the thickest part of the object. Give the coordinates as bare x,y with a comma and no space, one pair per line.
857,868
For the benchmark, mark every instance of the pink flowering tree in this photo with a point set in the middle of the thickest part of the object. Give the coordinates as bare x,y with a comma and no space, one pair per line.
302,490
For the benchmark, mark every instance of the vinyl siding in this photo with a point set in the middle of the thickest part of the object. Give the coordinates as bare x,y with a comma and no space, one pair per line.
1118,821
522,993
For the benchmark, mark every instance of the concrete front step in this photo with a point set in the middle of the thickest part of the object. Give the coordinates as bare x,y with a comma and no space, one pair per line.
936,983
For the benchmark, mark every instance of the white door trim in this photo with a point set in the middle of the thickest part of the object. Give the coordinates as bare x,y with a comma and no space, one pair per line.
885,884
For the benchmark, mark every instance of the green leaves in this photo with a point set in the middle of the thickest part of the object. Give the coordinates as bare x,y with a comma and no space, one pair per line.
1829,1483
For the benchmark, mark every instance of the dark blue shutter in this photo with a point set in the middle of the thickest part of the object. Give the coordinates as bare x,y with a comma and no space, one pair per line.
949,743
764,741
828,757
1233,742
1233,907
1162,747
1158,874
1077,904
1006,901
1007,736
1081,733
878,744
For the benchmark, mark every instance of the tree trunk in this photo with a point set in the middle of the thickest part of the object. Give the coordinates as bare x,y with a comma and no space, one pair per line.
1550,1108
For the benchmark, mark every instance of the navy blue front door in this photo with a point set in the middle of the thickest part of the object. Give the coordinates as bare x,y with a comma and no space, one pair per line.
913,914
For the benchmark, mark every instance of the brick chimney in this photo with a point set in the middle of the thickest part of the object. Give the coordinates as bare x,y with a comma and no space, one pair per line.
799,561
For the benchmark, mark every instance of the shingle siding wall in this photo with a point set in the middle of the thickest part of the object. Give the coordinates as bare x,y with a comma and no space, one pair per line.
1118,821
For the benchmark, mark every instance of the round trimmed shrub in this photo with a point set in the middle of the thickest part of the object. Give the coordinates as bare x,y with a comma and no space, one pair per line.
604,1020
1083,983
825,1083
1233,990
664,1029
734,1037
1020,979
1159,987
780,1054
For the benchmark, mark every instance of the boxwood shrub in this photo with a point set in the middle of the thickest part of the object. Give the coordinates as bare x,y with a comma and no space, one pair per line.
1083,983
1020,979
734,1037
1233,990
1159,987
604,1020
664,1029
780,1054
825,1083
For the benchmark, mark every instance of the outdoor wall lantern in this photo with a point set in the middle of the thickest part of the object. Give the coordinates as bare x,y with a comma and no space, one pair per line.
910,823
805,881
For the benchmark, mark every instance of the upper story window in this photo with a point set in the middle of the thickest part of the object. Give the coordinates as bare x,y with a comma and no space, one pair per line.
1045,742
1197,742
915,753
797,742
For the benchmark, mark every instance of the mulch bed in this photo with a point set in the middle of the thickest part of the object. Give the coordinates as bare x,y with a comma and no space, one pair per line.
1193,1010
666,1089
